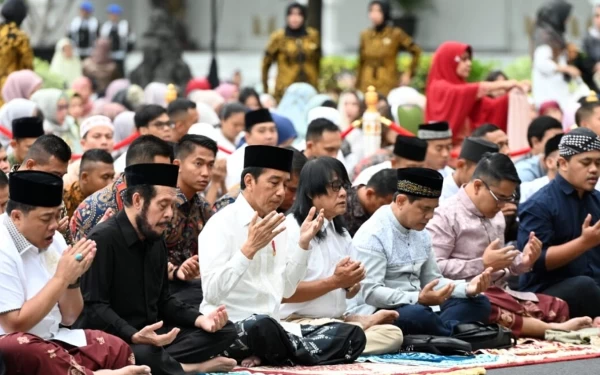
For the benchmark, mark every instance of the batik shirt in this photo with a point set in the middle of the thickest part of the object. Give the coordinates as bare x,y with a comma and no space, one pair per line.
355,215
223,202
72,198
92,209
189,218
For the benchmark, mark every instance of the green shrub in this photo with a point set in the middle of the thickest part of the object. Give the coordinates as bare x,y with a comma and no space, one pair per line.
331,66
519,69
51,80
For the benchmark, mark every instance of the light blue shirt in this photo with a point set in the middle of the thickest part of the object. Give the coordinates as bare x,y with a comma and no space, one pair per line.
530,168
398,263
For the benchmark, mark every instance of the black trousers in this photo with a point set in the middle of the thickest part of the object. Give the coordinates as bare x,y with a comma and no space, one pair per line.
192,345
187,292
581,293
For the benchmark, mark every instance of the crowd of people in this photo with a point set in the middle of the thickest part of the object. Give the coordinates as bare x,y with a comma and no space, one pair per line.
178,230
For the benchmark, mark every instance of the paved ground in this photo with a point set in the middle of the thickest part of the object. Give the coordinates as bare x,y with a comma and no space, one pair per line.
584,367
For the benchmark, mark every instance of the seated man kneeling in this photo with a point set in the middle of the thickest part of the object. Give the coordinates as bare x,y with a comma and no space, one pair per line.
402,273
39,287
467,233
126,290
333,274
248,265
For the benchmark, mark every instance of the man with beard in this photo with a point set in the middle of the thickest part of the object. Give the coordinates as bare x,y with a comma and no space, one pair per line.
195,157
126,290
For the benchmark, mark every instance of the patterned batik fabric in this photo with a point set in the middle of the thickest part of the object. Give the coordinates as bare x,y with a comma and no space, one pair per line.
92,209
24,353
189,218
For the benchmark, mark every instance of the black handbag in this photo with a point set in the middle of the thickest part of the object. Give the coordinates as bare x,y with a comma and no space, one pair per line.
485,336
436,345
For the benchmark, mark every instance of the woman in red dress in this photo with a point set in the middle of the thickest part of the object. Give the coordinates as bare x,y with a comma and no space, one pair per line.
464,105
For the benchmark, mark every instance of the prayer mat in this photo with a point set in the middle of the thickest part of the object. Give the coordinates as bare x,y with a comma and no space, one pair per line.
527,352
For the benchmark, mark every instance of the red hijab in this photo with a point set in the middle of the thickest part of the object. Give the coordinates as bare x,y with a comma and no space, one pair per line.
451,98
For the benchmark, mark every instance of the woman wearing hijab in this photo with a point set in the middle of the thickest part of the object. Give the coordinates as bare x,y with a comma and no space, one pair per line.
15,50
379,48
156,93
124,127
294,106
114,87
21,84
296,50
197,84
54,106
100,67
228,91
16,108
464,105
210,97
65,62
551,72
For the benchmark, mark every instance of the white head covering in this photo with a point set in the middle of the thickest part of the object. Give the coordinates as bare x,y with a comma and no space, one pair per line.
210,97
328,113
68,68
93,122
205,129
13,110
404,96
156,93
207,114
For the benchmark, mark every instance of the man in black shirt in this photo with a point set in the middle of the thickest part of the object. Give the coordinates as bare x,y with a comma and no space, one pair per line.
126,290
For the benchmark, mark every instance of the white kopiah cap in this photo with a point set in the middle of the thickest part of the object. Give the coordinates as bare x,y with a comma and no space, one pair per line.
94,121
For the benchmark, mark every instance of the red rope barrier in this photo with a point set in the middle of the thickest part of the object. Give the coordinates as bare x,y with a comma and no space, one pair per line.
400,130
127,141
7,133
397,128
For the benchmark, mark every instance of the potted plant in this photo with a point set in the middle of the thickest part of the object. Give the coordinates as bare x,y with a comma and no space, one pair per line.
408,20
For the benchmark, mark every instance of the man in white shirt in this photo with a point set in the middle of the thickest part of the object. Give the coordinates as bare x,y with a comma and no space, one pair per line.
439,146
39,284
333,274
150,119
409,152
246,260
260,130
471,152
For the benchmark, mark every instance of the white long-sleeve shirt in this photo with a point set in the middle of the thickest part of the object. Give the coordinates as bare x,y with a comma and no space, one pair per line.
547,83
324,257
246,286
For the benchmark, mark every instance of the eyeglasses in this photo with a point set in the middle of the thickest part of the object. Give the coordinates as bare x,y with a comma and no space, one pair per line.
500,200
162,125
337,185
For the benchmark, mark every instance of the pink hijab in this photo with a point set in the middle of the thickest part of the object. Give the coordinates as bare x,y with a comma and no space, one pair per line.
20,84
114,87
227,91
110,110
